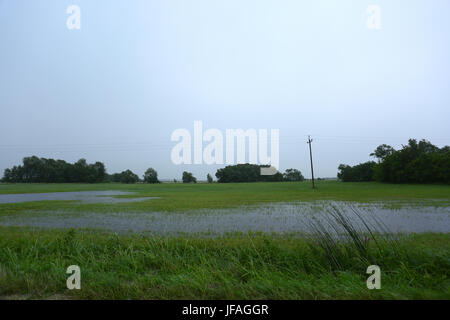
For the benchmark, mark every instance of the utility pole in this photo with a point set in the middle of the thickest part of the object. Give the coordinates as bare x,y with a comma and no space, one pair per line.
310,157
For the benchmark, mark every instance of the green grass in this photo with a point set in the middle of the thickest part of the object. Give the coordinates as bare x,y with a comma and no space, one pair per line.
238,266
178,197
33,265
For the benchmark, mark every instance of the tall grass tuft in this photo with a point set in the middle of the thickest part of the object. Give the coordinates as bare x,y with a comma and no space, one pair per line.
345,240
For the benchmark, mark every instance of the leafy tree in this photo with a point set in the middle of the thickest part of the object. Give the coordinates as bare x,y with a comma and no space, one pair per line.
382,151
7,176
128,177
99,172
416,162
188,177
151,176
209,178
293,175
361,172
115,177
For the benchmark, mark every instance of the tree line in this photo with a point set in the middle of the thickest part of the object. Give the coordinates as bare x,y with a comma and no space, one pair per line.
36,169
416,162
252,173
42,170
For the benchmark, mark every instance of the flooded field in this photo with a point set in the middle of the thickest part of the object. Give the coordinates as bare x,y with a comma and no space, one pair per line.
83,196
270,218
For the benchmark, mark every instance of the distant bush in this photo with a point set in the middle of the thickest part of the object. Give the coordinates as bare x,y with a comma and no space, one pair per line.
188,177
209,178
126,176
44,170
245,173
151,176
293,175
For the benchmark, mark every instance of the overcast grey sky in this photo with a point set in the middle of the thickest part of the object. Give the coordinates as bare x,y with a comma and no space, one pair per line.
116,89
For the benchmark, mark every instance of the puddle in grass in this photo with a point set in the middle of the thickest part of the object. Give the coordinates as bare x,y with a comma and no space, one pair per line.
83,196
270,218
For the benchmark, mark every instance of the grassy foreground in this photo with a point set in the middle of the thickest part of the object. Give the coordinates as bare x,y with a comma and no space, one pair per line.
33,265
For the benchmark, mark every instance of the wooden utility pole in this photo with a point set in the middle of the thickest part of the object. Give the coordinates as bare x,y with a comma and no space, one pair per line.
310,157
